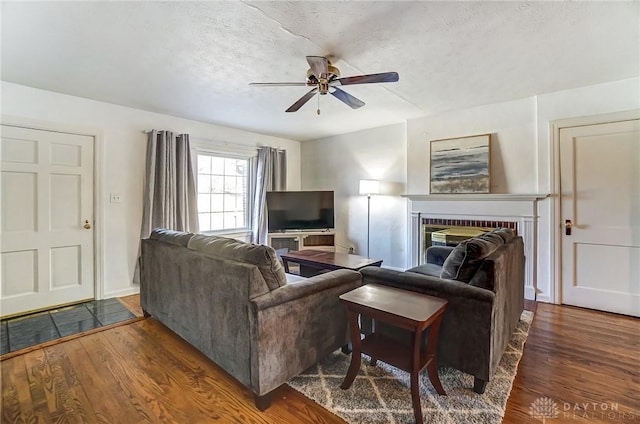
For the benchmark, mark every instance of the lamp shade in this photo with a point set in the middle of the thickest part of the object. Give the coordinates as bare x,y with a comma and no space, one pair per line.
369,187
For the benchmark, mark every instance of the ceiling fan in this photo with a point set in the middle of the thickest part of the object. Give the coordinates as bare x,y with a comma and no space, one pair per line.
325,78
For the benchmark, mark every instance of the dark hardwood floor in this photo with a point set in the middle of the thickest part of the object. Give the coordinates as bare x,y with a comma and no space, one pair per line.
587,362
141,372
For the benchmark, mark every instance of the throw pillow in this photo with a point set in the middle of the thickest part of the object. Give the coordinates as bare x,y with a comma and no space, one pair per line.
493,238
452,264
506,233
465,259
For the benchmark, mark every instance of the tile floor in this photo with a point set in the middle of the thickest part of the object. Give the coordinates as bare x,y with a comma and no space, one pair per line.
18,333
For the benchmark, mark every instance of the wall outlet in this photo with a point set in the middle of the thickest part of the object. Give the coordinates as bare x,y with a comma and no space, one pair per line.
351,250
116,198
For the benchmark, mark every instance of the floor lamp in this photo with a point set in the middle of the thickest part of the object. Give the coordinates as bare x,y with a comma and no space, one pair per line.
367,188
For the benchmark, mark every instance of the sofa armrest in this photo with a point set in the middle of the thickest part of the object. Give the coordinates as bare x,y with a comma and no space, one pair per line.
296,326
509,265
438,254
300,289
433,286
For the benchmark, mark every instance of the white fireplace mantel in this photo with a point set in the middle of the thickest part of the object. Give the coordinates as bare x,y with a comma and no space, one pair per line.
475,197
520,208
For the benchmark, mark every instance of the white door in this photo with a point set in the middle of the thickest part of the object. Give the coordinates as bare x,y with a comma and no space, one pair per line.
46,217
600,197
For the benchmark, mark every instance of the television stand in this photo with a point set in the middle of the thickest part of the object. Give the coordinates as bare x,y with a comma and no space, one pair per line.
300,240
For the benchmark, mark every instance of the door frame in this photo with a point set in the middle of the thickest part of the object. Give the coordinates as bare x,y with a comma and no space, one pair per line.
556,218
98,187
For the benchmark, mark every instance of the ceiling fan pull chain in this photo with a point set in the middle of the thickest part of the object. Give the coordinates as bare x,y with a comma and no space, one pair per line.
318,110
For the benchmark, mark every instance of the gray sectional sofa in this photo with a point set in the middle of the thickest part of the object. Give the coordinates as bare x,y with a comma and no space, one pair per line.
483,280
233,302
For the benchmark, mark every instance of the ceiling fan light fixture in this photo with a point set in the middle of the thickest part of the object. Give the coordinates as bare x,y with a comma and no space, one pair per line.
323,76
332,73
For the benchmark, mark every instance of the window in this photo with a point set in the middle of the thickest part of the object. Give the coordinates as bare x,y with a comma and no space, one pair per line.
223,192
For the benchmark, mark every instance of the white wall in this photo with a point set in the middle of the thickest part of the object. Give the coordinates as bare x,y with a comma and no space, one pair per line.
120,166
339,163
513,143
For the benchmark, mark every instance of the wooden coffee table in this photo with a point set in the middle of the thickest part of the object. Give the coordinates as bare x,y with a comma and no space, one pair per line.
314,262
401,308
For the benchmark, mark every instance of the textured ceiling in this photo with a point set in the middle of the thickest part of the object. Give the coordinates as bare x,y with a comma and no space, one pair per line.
195,59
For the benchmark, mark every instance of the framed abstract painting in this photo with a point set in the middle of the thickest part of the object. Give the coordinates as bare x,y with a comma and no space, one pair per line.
461,165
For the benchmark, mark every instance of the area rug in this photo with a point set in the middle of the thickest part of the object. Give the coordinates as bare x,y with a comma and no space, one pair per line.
382,394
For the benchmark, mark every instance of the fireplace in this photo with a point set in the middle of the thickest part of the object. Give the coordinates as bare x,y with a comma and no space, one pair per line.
481,212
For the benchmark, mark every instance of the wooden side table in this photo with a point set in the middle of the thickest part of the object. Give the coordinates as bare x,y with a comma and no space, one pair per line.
401,308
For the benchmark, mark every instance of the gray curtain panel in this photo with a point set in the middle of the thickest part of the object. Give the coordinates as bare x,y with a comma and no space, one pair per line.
270,175
170,197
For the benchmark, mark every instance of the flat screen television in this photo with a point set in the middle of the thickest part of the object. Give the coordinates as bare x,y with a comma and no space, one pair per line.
300,210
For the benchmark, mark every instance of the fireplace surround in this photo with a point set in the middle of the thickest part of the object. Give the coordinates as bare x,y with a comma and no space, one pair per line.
516,211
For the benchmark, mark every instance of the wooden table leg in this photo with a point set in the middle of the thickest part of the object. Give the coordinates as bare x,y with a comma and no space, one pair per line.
356,356
415,371
309,271
432,368
285,263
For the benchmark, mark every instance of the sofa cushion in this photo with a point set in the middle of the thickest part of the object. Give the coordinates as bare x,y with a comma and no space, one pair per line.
179,238
465,258
433,270
264,257
437,254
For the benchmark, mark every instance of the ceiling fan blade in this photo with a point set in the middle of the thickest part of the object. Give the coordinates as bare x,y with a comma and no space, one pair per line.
319,65
367,79
302,100
347,98
280,84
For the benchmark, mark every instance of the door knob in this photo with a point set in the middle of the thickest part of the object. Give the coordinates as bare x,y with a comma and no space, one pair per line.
87,226
567,226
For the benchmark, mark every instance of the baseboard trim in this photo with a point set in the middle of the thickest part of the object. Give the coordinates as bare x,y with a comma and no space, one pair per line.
120,293
544,299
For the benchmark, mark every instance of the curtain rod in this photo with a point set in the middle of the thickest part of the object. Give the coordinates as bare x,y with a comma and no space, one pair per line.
225,143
